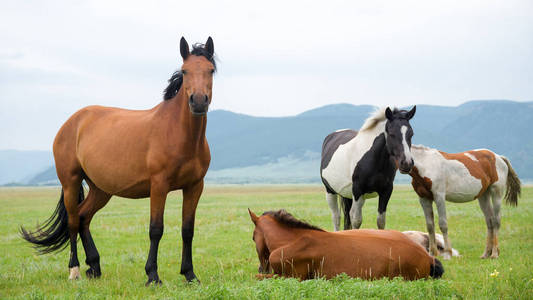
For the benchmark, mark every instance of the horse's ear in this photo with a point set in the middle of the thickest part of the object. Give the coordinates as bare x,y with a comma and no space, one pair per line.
253,216
184,48
411,113
209,46
388,114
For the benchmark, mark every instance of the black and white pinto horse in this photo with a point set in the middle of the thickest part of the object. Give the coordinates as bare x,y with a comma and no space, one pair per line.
358,165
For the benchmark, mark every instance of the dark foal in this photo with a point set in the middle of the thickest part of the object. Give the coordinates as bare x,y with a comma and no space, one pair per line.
360,165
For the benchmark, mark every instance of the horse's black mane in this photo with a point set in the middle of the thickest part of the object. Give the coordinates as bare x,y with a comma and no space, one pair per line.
286,218
175,81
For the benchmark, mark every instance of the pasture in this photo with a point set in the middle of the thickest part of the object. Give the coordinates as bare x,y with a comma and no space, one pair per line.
224,254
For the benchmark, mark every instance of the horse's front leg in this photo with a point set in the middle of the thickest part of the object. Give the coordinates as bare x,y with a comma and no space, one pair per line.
427,206
191,195
158,196
440,202
356,211
384,197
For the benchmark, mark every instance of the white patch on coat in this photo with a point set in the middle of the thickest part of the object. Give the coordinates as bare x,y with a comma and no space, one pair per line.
421,237
472,157
338,173
406,151
449,178
74,273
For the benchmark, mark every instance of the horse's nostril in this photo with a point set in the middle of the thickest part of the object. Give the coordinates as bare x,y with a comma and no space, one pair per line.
191,99
206,99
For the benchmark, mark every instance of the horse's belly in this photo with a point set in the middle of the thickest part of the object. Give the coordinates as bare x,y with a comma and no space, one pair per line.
119,181
462,189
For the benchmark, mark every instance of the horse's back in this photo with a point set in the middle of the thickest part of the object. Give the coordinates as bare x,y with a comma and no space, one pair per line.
332,142
470,174
389,252
338,174
110,146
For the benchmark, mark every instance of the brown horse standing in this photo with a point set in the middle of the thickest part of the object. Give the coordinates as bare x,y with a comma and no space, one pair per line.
134,154
293,248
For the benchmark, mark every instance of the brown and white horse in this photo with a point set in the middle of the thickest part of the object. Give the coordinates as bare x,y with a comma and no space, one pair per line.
292,248
462,177
134,154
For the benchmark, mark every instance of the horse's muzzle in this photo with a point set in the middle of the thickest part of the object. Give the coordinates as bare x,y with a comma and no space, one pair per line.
405,167
199,104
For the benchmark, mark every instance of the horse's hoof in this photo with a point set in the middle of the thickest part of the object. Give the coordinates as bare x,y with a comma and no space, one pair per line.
155,282
92,273
74,273
191,277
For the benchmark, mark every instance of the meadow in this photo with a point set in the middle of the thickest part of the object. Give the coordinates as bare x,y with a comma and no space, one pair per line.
224,254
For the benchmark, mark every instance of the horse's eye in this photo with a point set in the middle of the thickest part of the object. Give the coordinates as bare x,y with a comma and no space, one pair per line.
212,71
183,72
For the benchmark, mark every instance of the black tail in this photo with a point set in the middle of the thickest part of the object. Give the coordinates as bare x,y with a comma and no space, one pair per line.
513,184
436,270
53,235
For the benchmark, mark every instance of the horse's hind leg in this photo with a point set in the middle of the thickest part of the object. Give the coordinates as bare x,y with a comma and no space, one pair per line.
96,199
427,206
72,192
486,207
333,206
440,202
496,194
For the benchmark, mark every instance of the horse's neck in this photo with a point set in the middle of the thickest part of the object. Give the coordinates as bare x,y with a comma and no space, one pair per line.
421,153
279,235
427,160
176,114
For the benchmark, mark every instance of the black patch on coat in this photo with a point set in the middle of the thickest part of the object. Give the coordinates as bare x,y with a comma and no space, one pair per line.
375,172
329,146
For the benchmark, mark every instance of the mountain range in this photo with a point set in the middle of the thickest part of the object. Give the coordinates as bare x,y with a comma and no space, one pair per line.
248,149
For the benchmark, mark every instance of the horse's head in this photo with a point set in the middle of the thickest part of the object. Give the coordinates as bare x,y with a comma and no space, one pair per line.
198,69
260,245
398,134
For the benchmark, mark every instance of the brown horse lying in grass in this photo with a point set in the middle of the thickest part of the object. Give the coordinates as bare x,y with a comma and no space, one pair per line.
292,248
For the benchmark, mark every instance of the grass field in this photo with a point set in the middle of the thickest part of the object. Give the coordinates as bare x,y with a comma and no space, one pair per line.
224,254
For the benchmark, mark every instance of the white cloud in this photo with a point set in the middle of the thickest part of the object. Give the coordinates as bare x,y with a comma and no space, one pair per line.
276,57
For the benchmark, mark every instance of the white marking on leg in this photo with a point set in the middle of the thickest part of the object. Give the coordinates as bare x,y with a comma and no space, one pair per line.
74,273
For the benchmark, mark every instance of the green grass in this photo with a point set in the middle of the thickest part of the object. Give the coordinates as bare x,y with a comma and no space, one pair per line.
224,255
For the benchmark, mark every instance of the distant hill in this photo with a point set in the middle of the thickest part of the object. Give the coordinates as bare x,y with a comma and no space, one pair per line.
20,166
247,149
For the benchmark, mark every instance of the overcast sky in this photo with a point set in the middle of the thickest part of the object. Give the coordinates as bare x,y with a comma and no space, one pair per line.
276,58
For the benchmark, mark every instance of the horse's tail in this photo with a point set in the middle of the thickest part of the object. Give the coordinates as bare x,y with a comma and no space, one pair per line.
513,184
53,234
436,269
